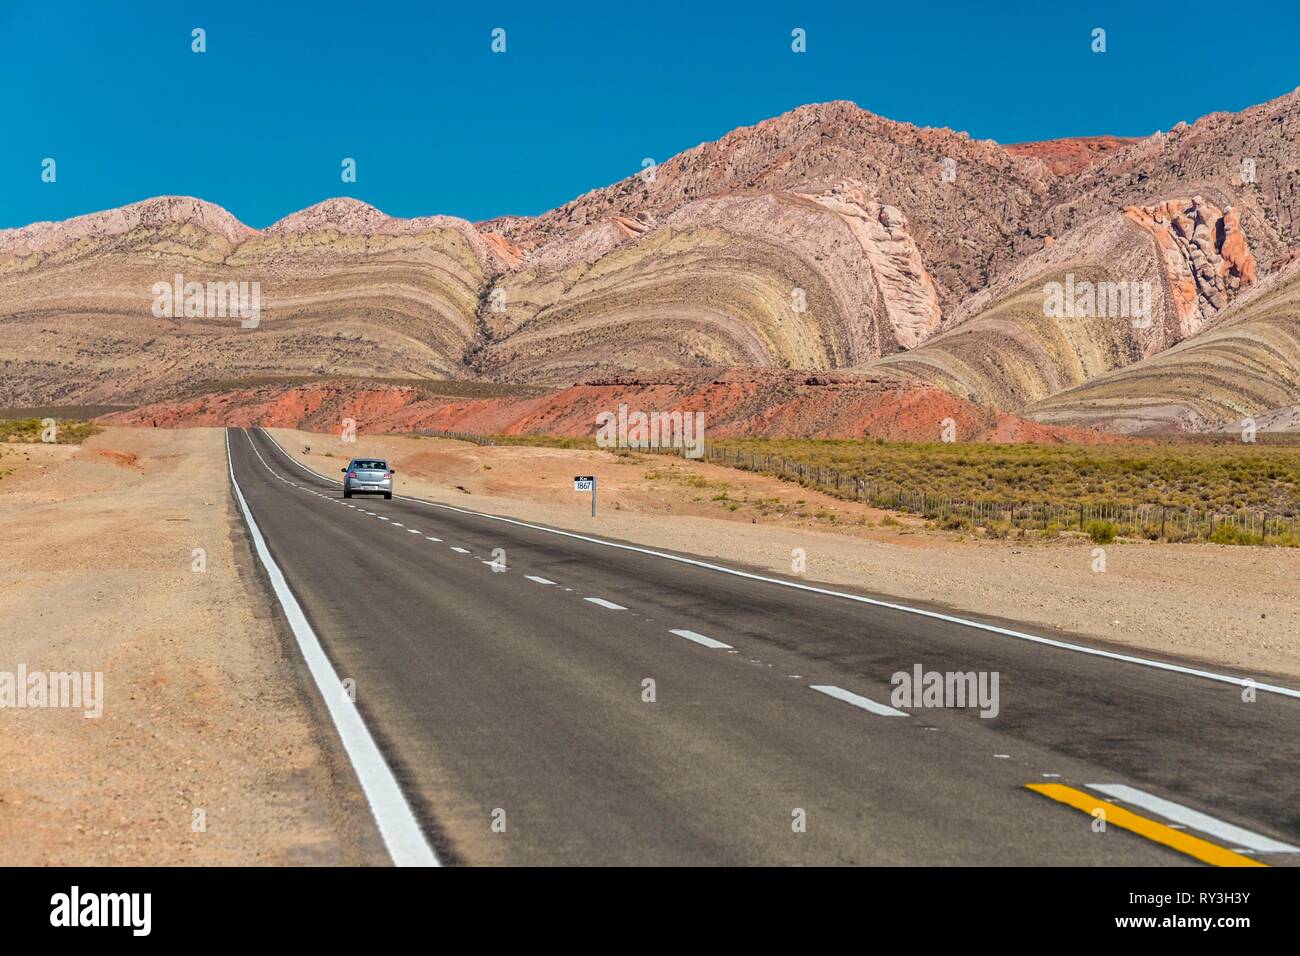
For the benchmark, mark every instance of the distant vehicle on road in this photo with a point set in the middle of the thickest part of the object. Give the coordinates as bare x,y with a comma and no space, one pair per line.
368,476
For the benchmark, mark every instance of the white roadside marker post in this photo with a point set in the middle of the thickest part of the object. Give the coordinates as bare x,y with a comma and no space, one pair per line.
586,483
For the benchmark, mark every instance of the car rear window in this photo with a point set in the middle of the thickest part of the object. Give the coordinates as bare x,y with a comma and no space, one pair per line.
371,464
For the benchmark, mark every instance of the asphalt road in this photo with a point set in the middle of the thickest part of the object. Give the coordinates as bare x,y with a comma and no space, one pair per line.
513,711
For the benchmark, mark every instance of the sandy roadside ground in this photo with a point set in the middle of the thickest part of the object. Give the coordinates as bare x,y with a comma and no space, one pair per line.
209,750
1217,604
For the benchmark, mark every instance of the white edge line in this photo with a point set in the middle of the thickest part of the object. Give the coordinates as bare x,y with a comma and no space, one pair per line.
920,612
857,700
1229,833
402,835
700,639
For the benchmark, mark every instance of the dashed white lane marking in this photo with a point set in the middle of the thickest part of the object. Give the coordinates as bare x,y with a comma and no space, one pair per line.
533,577
402,835
412,530
1235,836
427,538
461,550
606,604
381,517
398,524
857,700
829,592
700,639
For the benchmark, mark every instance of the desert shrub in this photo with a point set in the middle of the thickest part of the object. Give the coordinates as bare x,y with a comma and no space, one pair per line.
1179,474
1228,533
1101,532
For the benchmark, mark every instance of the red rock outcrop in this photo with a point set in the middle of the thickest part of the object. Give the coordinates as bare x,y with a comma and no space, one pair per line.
1065,157
1204,252
736,402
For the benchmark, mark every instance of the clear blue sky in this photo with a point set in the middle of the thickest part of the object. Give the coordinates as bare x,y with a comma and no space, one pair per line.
439,124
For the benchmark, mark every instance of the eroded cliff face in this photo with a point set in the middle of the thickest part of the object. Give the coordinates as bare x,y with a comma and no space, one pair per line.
906,290
1205,255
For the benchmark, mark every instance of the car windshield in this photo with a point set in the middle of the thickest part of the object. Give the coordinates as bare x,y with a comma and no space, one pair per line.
370,464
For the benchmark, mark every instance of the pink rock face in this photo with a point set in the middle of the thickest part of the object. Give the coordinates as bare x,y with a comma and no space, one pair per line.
905,287
1204,250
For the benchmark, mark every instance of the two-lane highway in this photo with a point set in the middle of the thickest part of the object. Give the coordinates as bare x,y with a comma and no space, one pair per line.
600,703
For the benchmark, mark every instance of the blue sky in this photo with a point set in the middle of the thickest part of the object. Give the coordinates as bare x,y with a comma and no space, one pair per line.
439,124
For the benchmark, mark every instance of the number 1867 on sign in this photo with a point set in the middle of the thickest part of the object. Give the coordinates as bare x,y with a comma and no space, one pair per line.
586,483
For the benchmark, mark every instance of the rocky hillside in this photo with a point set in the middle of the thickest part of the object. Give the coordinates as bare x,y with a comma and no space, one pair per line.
1244,364
786,279
824,239
964,198
343,290
1066,157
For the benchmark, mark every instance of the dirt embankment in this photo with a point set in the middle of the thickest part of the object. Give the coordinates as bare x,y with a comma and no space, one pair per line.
123,557
735,402
1186,600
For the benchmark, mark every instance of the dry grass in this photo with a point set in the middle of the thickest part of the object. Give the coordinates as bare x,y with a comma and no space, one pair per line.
32,430
1219,476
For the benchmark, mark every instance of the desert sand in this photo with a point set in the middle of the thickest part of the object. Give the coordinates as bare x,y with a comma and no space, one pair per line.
204,706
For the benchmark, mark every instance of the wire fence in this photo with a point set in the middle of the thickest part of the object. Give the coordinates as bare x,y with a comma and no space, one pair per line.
1157,522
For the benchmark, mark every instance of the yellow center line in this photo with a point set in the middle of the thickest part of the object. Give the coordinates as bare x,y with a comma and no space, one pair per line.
1193,846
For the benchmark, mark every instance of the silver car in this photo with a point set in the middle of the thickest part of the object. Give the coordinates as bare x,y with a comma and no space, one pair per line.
368,476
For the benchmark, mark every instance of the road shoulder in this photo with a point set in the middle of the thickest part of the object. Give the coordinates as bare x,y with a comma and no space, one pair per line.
211,749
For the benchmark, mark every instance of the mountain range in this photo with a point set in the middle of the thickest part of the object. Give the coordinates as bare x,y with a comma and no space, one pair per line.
1131,286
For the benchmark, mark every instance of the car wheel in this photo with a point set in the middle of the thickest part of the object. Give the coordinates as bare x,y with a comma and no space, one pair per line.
388,496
